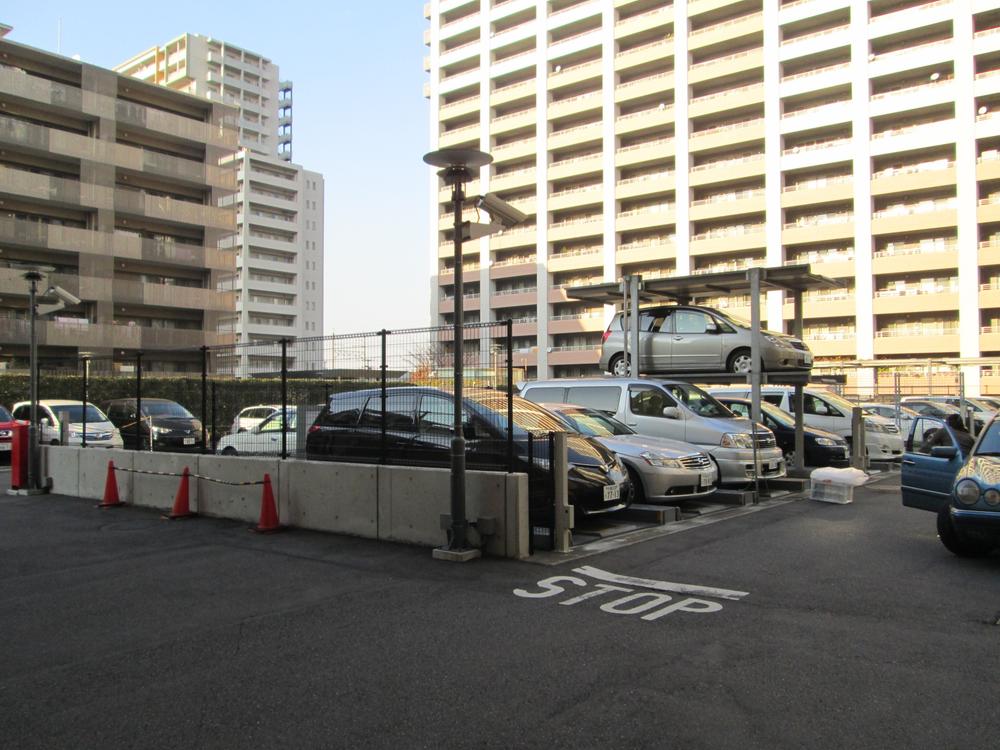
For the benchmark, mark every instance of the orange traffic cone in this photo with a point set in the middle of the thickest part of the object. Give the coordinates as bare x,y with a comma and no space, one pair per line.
268,511
111,499
182,503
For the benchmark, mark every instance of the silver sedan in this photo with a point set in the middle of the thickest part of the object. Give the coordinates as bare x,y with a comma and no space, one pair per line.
661,470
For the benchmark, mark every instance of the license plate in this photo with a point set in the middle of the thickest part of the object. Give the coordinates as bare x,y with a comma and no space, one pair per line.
706,480
188,441
4,447
612,492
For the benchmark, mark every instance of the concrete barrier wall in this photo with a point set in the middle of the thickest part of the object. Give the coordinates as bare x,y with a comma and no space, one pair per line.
63,466
151,491
241,502
391,503
328,496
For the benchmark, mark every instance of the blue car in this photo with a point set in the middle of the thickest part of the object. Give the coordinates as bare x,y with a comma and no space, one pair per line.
964,491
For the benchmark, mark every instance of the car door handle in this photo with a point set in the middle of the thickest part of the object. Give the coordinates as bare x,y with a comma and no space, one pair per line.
909,463
678,338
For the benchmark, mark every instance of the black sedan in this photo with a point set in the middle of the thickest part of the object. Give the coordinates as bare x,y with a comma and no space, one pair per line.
822,448
164,425
416,428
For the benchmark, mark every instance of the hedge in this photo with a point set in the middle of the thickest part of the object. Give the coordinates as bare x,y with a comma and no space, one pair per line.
230,395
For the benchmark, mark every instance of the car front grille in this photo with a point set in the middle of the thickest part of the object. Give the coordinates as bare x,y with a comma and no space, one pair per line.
695,461
891,428
765,440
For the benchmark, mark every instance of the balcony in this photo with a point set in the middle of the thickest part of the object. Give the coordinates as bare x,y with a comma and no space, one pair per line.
916,339
727,134
739,97
818,228
731,28
165,208
575,260
652,249
645,217
733,203
727,170
738,62
659,115
171,296
574,355
657,148
506,298
644,184
589,322
827,189
908,298
915,217
915,257
642,87
645,53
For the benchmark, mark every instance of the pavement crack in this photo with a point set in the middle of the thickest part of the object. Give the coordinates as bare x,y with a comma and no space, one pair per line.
239,639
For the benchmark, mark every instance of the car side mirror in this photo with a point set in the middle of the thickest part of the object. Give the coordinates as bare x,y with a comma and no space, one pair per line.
944,451
671,412
470,432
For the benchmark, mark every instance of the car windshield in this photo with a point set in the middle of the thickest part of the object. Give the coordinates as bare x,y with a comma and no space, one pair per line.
734,319
165,409
839,401
528,417
695,399
780,416
75,412
594,423
5,415
989,442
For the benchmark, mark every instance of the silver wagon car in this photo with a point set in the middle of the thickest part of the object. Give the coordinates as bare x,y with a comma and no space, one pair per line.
675,338
660,469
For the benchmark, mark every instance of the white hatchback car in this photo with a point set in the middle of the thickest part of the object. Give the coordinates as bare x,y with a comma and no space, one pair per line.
252,416
101,433
265,438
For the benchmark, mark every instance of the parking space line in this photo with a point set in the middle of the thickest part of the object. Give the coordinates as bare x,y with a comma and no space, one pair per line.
645,535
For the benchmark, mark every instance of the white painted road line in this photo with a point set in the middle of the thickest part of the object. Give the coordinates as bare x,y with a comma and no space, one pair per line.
678,588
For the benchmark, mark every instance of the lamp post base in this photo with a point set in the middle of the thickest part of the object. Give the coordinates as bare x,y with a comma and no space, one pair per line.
455,555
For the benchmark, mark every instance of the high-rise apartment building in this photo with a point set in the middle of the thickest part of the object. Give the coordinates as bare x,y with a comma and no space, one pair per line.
116,186
225,73
658,137
279,240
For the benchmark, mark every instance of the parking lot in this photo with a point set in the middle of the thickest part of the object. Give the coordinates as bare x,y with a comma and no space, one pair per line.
801,624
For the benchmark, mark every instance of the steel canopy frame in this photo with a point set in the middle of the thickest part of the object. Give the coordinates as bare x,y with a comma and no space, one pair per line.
793,279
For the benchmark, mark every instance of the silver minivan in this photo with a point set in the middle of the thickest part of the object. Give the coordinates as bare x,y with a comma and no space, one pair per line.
676,410
675,338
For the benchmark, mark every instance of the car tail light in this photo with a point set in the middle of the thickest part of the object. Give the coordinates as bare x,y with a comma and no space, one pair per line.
607,333
314,428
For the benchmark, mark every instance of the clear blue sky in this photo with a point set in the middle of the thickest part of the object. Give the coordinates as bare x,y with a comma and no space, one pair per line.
360,120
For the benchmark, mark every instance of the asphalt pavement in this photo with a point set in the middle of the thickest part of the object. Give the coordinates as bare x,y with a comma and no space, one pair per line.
809,625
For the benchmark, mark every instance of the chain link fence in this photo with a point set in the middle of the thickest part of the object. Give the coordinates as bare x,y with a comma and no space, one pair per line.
264,398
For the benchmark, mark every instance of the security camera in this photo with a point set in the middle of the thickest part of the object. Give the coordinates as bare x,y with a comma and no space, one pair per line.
500,210
69,299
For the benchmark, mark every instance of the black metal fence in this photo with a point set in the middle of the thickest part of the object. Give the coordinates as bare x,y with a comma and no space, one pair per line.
270,398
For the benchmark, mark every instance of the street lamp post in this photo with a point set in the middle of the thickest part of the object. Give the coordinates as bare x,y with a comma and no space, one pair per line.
456,169
33,277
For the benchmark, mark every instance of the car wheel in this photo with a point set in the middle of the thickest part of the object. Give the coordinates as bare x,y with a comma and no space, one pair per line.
739,362
54,442
619,366
955,542
229,451
638,492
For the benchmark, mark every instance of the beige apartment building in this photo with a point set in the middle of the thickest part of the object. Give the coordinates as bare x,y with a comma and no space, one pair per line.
659,138
115,185
279,237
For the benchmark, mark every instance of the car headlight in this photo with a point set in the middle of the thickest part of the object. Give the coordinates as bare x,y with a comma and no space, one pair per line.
826,441
967,492
656,459
992,497
736,440
874,427
778,341
158,430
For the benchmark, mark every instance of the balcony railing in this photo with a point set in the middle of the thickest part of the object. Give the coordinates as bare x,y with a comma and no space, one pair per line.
724,58
815,71
816,34
664,42
725,24
916,248
728,197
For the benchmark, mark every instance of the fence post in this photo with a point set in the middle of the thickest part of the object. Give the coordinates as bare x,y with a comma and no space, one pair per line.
204,398
86,369
138,404
213,437
284,397
510,396
382,369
